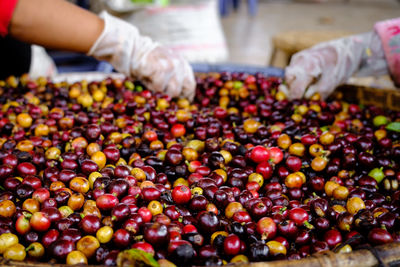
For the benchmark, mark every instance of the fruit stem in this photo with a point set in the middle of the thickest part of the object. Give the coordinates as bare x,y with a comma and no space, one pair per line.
27,215
308,225
264,236
138,237
29,248
281,210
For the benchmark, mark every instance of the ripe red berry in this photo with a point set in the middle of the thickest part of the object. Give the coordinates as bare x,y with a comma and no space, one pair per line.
265,169
181,194
266,227
333,238
232,245
298,215
39,222
259,154
276,155
107,201
294,163
178,130
189,228
145,214
146,247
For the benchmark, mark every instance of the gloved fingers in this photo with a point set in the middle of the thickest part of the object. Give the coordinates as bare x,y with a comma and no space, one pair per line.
297,80
185,77
41,63
182,85
151,83
325,86
332,63
155,71
303,69
316,65
154,82
173,76
174,85
311,91
162,70
298,87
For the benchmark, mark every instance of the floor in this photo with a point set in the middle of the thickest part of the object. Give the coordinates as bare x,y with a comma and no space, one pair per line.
249,38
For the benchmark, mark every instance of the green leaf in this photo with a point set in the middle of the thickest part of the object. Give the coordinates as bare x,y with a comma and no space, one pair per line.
393,126
136,257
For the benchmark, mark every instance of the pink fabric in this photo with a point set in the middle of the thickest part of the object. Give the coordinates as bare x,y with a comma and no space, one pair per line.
6,11
389,31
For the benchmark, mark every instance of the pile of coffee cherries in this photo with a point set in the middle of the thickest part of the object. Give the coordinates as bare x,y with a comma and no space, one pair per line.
242,174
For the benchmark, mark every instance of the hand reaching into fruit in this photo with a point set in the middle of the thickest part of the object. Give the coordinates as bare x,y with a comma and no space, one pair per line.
105,38
326,65
159,68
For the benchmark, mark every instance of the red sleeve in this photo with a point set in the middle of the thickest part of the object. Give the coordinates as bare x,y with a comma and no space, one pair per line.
6,10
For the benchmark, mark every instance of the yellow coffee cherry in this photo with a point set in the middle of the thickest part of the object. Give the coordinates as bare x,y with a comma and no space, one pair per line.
24,120
15,252
355,204
105,234
7,240
76,257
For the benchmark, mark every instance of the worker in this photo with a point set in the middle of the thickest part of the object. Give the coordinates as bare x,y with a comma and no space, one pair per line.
329,64
61,25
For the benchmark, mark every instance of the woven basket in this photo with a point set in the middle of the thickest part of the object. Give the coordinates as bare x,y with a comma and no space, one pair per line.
383,98
385,256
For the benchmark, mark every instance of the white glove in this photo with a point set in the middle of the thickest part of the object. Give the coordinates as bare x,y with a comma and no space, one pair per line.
329,64
41,63
157,67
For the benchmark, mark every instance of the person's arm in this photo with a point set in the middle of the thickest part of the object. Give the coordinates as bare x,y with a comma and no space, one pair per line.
61,25
323,67
55,24
389,32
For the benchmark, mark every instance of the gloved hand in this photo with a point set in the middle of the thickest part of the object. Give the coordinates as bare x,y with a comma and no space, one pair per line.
157,67
41,63
329,64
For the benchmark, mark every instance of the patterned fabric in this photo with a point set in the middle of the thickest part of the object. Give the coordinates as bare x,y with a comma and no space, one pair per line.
6,10
389,32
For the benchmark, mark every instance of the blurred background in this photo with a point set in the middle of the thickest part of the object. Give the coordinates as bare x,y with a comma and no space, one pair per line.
249,32
252,39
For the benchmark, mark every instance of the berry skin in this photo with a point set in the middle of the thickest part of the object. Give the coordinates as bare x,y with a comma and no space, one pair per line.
181,194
